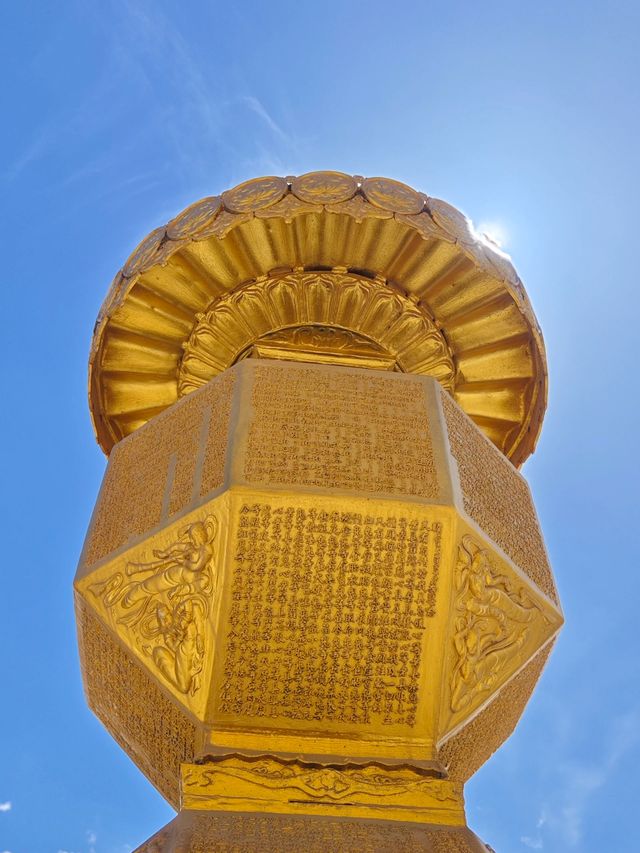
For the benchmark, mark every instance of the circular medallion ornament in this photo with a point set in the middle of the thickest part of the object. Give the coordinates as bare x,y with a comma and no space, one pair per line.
392,195
452,221
255,194
324,187
146,253
272,269
194,222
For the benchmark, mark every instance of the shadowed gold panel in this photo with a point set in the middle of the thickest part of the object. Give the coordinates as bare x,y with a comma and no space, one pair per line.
497,498
146,723
467,750
162,471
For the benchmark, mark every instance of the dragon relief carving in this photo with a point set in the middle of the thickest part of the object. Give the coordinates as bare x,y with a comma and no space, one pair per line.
164,603
492,619
325,782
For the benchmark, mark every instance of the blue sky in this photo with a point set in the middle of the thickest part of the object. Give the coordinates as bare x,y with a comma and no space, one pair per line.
525,115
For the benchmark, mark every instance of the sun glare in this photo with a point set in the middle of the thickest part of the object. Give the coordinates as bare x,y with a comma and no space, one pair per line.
492,233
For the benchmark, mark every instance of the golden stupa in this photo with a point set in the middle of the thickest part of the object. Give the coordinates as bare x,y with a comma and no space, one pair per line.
314,597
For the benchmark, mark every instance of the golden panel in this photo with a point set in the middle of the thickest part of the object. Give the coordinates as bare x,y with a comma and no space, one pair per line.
137,712
300,586
468,749
417,248
160,598
162,470
327,301
497,498
314,637
498,621
195,831
340,429
267,784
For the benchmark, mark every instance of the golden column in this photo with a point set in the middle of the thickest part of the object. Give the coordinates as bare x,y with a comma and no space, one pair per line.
314,597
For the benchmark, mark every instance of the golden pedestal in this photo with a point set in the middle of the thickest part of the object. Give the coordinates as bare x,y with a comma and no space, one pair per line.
314,597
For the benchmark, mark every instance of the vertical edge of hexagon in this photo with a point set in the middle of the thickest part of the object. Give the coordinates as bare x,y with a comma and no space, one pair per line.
240,423
469,501
449,481
187,449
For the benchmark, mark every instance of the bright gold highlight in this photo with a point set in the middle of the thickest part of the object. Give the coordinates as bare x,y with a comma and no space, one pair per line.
314,597
370,256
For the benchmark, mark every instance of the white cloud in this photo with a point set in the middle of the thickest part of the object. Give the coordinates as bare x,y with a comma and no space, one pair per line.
535,842
5,807
257,107
578,782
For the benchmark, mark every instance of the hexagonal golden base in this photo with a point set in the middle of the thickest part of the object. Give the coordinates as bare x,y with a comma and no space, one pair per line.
317,563
228,832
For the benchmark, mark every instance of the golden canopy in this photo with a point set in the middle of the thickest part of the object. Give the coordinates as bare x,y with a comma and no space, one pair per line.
368,267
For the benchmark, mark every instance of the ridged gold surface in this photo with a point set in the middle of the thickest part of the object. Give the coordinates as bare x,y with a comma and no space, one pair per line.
419,250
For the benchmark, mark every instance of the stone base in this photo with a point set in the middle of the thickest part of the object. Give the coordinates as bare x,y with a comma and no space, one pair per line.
233,832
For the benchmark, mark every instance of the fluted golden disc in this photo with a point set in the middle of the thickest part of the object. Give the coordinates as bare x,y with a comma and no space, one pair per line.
370,257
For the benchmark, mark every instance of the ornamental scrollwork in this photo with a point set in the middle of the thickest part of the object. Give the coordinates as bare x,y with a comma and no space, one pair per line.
164,603
325,782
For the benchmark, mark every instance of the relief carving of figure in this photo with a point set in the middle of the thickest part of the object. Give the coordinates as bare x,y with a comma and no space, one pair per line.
165,602
491,624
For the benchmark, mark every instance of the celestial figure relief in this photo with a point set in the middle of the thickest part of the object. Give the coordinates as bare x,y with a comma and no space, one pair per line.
490,627
165,603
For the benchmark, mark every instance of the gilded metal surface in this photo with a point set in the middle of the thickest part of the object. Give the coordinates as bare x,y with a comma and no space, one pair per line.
314,596
332,596
419,250
332,308
323,345
237,783
202,831
163,603
492,618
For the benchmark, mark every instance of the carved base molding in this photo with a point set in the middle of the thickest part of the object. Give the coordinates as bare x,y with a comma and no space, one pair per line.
268,784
